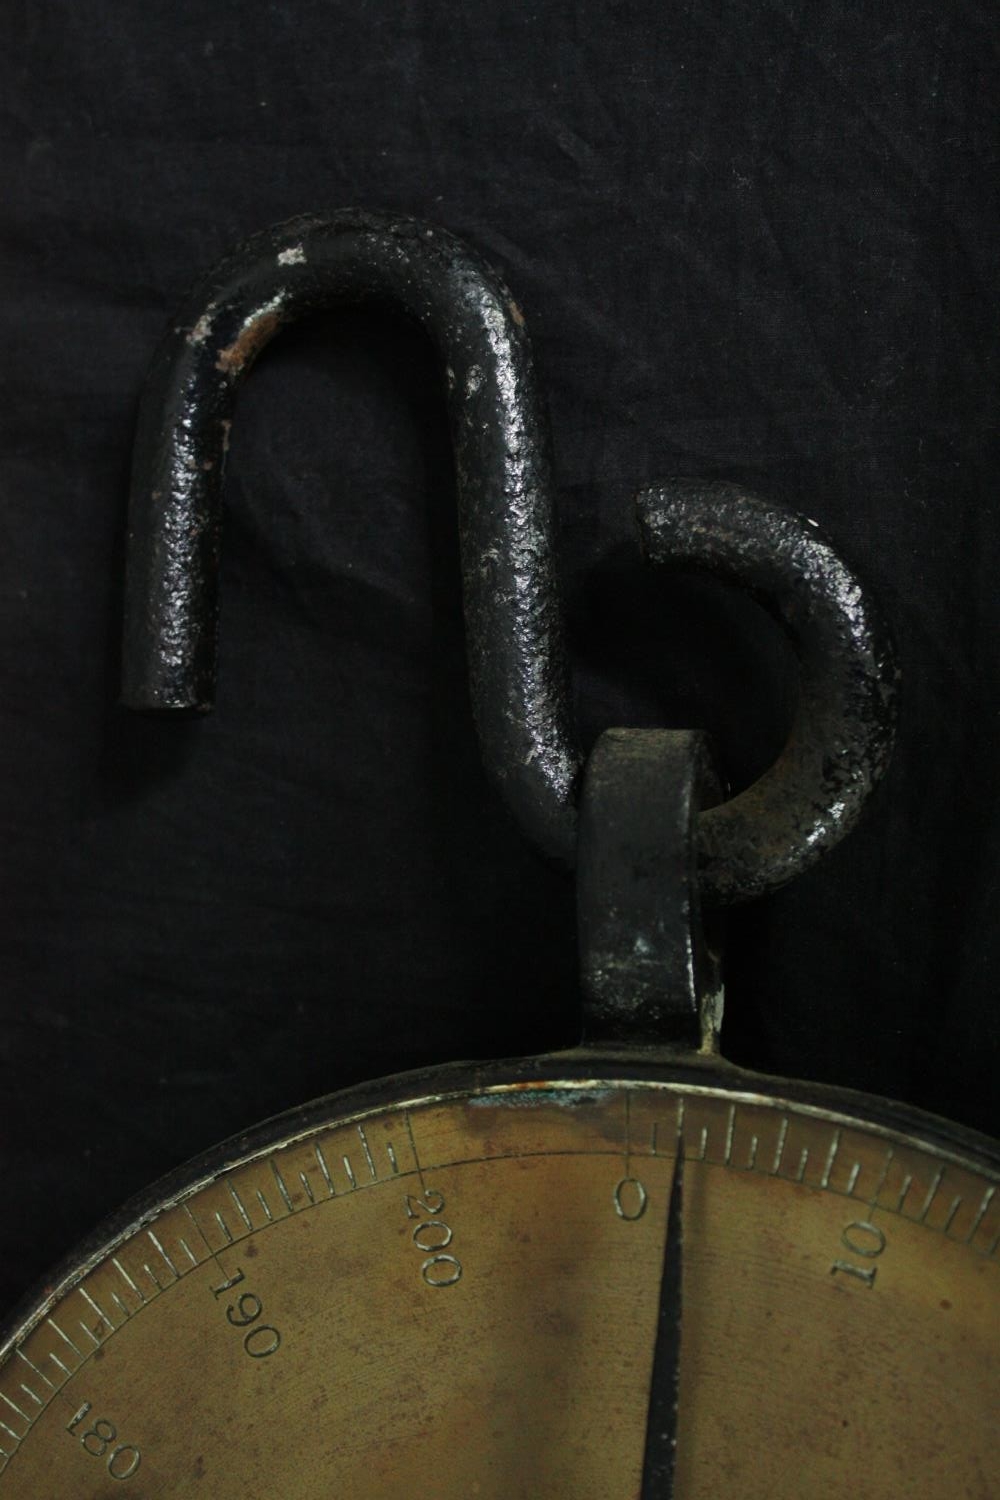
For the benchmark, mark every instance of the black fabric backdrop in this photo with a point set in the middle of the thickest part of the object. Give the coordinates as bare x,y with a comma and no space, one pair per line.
751,241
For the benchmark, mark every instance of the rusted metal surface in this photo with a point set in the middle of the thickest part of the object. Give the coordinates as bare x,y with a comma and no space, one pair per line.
517,664
842,737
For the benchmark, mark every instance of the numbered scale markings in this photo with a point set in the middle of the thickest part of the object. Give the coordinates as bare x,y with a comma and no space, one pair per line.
464,1283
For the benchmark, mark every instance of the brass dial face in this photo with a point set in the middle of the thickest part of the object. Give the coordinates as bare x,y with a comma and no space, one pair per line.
456,1294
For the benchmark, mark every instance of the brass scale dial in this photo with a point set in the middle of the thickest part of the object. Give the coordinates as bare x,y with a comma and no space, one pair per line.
628,1270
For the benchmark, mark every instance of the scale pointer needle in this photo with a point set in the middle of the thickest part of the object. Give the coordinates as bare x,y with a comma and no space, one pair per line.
664,1391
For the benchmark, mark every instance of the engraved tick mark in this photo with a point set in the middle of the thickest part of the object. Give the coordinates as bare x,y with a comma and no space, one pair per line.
15,1408
881,1182
730,1133
779,1149
240,1209
265,1206
752,1154
31,1394
223,1226
956,1204
201,1233
413,1148
307,1187
321,1159
33,1367
127,1278
390,1153
153,1277
824,1181
282,1189
981,1212
102,1316
931,1192
853,1178
350,1171
368,1155
166,1257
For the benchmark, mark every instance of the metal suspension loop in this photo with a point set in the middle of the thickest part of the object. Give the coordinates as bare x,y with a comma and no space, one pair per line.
842,736
648,973
514,624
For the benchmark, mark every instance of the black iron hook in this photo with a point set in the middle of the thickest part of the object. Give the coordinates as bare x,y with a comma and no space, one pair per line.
843,732
513,620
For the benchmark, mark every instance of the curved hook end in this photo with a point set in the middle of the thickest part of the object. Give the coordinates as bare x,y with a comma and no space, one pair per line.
842,738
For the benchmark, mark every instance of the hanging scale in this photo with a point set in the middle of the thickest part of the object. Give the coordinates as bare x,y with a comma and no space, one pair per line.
627,1270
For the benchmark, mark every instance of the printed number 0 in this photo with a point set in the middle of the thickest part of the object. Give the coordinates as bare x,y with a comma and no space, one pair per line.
630,1199
441,1270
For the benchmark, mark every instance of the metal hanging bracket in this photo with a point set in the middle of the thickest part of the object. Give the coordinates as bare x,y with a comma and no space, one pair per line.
647,972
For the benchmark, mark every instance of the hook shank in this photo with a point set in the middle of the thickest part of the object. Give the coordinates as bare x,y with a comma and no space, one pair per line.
516,657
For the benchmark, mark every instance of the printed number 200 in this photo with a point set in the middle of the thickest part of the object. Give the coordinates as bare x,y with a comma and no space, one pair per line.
432,1235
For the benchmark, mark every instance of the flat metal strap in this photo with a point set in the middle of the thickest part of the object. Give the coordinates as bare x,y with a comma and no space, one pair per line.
647,972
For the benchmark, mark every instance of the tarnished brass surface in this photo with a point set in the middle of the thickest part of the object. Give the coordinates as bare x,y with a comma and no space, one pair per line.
275,1329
